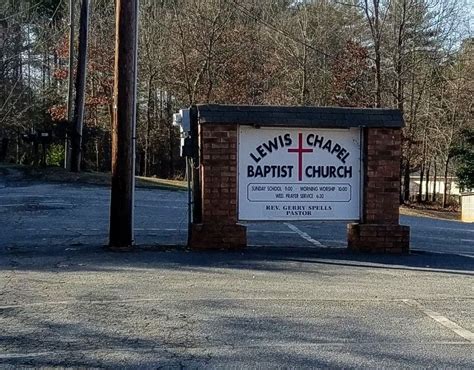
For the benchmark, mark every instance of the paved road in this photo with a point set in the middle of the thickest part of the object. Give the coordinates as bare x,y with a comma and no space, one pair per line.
35,214
64,301
274,308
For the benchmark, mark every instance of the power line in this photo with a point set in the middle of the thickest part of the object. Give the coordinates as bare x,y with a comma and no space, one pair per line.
55,11
44,42
45,39
32,8
22,11
248,13
37,44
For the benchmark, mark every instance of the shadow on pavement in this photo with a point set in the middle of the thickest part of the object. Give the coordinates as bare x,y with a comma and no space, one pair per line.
299,259
177,336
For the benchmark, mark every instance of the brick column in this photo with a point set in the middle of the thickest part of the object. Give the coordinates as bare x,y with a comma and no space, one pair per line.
379,230
219,228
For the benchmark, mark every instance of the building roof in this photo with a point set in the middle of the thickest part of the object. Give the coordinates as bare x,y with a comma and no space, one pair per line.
286,116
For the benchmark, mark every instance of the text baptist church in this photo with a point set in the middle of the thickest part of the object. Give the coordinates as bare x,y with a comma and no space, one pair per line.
287,171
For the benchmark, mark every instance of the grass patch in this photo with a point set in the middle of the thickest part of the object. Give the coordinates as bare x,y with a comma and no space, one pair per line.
58,174
446,214
154,181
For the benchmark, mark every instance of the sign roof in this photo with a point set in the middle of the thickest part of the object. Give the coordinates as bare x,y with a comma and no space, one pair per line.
292,116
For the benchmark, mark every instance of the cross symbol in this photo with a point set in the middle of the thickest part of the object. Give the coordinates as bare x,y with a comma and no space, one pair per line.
300,150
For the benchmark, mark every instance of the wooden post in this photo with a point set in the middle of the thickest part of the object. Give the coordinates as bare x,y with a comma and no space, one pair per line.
76,153
121,208
70,87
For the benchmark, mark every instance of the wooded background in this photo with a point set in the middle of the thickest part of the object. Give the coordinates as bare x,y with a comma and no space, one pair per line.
410,54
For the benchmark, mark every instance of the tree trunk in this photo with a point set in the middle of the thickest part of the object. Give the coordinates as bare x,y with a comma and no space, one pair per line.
150,106
76,154
378,58
420,186
373,18
43,72
97,154
406,182
17,154
35,153
70,87
427,189
401,191
445,192
435,178
44,148
422,171
304,89
28,69
169,119
4,149
399,61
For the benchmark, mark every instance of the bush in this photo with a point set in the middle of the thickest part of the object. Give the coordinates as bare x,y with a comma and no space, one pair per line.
55,155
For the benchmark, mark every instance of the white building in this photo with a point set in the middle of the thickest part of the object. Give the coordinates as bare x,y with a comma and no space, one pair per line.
467,207
452,186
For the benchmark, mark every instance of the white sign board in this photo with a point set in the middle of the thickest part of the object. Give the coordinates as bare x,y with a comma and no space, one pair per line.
299,174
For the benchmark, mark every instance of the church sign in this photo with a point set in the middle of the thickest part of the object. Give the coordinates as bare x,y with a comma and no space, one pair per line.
290,164
299,174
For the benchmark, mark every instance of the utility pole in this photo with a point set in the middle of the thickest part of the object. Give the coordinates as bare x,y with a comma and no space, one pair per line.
76,153
124,123
70,83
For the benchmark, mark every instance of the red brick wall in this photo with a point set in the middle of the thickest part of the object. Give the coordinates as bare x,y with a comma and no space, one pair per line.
382,175
379,230
378,238
219,228
219,173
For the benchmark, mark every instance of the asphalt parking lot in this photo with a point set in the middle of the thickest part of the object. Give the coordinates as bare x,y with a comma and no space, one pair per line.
295,298
36,214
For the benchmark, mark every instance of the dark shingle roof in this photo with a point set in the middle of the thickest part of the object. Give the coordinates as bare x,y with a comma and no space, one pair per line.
277,116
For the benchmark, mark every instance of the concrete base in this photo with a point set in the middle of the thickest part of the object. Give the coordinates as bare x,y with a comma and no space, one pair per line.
218,236
378,238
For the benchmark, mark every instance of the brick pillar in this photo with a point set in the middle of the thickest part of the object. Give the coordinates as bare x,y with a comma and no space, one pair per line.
219,228
379,230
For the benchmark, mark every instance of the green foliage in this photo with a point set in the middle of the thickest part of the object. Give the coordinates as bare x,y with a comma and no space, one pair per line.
55,155
464,155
